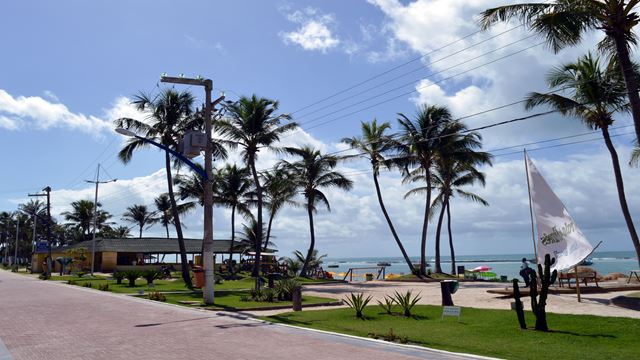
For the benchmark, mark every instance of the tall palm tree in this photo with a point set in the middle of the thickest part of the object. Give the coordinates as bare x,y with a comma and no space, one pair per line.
232,188
564,22
37,210
635,156
163,213
313,172
168,117
279,190
456,168
81,217
418,149
139,215
252,124
595,94
374,145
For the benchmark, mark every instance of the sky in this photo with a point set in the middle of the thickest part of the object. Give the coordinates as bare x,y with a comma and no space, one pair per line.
70,68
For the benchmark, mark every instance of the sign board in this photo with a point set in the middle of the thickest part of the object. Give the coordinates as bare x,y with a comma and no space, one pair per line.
42,246
451,311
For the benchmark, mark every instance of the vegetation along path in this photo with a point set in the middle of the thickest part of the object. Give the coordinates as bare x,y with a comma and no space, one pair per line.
51,320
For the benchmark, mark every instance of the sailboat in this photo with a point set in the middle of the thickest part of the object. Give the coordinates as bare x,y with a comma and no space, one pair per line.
557,233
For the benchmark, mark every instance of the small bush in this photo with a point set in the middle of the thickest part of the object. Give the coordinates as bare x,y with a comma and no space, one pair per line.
132,276
43,277
268,295
406,302
357,302
87,284
387,305
284,289
390,336
103,287
157,296
14,268
151,275
119,275
80,274
245,298
71,282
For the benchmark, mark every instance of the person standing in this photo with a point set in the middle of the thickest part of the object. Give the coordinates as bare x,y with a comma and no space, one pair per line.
525,272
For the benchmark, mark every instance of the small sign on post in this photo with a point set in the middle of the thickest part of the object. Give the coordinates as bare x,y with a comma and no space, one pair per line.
451,311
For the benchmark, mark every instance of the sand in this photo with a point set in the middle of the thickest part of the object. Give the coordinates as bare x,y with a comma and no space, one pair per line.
470,294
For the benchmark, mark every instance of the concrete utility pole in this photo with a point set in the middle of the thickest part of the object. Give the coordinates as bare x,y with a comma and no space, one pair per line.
47,193
207,243
95,215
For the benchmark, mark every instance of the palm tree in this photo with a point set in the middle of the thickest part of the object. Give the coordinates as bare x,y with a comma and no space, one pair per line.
314,261
163,213
120,232
231,190
596,93
455,168
168,117
37,210
635,156
252,124
314,171
374,145
139,215
81,217
418,149
279,190
564,22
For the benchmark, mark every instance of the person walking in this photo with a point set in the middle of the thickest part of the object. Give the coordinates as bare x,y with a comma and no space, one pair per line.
525,272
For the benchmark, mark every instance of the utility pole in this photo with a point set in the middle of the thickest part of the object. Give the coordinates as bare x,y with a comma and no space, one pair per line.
95,215
47,193
15,251
207,243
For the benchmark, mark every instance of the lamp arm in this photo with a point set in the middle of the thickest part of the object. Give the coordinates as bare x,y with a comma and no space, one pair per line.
181,157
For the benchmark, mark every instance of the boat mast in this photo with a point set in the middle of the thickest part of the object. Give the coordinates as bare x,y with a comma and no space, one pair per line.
533,235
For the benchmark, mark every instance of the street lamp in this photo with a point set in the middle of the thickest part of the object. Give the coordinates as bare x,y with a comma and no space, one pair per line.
207,174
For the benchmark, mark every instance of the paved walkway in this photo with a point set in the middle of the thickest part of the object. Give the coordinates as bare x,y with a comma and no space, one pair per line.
40,320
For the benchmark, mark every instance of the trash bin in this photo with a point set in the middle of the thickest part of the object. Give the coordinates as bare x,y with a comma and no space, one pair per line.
368,277
448,287
296,298
198,274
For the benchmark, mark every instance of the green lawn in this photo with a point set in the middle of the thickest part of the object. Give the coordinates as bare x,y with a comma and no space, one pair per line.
231,300
159,285
487,332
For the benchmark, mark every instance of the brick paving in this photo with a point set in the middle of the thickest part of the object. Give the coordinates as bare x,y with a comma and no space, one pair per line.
40,319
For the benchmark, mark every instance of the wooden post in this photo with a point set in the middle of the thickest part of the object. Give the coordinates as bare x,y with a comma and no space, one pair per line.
577,283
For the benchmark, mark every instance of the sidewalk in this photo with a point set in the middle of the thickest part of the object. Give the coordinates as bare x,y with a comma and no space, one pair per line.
47,320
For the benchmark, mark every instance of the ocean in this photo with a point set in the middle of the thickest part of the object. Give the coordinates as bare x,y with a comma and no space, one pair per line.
604,262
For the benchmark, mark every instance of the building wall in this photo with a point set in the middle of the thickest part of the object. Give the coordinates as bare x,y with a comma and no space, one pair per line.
109,261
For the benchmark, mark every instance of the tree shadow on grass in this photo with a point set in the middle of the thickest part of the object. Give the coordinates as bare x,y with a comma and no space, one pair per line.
585,335
289,321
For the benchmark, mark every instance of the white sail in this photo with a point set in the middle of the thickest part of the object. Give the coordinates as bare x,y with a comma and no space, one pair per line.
558,234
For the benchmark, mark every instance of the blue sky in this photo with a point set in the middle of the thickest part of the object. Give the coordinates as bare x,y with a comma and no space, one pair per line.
71,65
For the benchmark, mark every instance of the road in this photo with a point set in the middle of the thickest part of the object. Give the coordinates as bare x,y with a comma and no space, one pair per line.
42,319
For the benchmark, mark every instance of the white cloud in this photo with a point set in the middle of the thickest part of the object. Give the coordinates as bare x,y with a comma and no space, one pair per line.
19,112
198,43
51,95
314,30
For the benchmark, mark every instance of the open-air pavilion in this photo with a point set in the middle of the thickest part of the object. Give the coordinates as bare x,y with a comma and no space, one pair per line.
110,253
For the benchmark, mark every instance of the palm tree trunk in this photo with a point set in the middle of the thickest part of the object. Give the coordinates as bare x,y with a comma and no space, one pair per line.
266,241
438,267
233,237
166,227
621,195
140,237
393,229
184,264
453,253
312,244
258,243
425,226
631,81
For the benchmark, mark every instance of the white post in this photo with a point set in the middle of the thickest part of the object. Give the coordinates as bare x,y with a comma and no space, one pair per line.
15,253
95,221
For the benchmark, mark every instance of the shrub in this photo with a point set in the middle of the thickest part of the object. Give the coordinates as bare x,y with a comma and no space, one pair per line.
406,302
284,289
71,282
357,302
80,274
387,305
103,287
43,277
268,295
132,276
390,336
151,275
157,296
119,275
245,298
87,284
